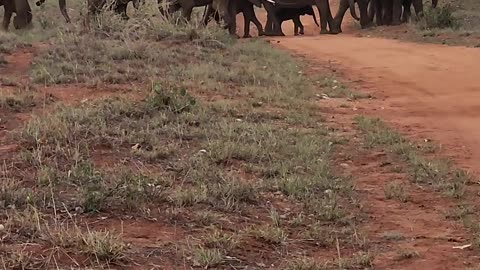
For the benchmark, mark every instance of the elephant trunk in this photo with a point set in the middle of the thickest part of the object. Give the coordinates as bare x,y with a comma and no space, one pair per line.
351,4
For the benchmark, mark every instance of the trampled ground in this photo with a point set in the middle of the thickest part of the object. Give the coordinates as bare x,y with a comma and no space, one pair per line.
135,148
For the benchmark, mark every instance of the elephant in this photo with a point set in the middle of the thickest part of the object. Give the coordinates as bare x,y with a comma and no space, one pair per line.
63,8
170,6
285,14
344,5
245,7
227,10
23,12
323,7
394,12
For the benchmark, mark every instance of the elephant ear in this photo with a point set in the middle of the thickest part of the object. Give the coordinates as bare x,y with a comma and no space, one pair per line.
257,3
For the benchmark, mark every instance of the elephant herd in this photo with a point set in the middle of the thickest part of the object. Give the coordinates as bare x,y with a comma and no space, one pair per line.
380,12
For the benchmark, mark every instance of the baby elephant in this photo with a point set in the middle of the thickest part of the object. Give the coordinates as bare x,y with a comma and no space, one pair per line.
285,14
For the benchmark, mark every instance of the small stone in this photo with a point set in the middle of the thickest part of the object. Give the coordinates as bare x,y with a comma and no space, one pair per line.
203,151
344,165
136,146
2,227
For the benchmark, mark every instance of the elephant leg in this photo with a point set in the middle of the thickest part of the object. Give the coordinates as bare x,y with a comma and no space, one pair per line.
258,25
7,16
379,12
249,13
232,17
272,20
246,26
121,9
209,12
434,3
371,10
24,14
388,12
187,13
342,8
406,11
364,19
396,12
326,18
418,6
299,24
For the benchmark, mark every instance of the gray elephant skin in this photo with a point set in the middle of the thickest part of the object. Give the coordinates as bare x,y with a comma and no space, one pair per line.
245,7
22,10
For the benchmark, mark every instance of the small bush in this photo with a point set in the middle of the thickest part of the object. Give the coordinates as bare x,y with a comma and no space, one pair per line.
439,18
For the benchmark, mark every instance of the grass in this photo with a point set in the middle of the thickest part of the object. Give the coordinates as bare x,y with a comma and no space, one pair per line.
438,18
435,172
333,88
207,258
306,264
405,254
393,236
207,138
270,234
396,190
10,42
18,101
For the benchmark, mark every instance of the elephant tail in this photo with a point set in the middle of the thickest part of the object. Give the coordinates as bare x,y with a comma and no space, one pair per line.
63,9
315,19
351,3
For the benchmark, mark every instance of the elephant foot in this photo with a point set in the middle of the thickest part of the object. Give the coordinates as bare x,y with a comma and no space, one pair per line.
261,34
247,36
325,31
274,34
302,33
367,25
295,34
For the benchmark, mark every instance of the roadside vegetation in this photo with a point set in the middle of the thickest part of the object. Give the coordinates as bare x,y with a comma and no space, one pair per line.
452,22
211,138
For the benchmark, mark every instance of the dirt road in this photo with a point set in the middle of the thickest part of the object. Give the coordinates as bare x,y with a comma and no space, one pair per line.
427,91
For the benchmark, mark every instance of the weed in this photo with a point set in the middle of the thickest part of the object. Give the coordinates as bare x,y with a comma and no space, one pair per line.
459,212
396,190
10,42
441,17
26,223
359,259
435,172
17,101
334,89
13,194
207,218
206,257
232,194
393,236
218,239
405,254
275,217
306,264
319,234
18,259
102,245
270,234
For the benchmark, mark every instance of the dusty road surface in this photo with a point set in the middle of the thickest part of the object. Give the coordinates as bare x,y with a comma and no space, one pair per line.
428,91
